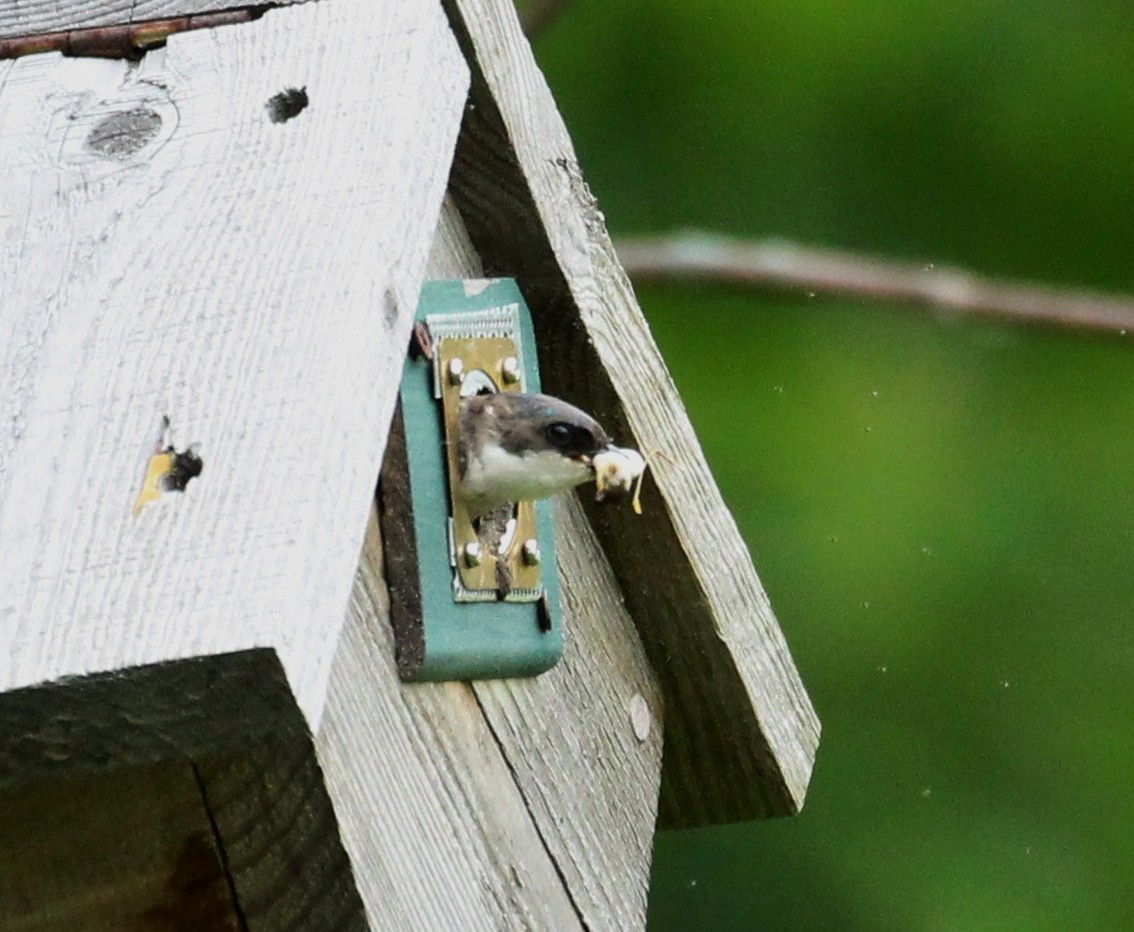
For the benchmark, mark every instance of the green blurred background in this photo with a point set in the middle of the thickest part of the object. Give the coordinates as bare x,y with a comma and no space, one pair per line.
941,509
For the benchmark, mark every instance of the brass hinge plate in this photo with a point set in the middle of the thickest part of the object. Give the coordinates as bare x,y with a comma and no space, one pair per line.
473,353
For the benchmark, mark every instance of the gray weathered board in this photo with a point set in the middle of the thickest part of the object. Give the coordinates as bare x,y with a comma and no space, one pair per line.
741,734
525,804
168,250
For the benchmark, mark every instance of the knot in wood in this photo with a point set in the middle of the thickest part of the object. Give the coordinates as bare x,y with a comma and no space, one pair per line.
120,135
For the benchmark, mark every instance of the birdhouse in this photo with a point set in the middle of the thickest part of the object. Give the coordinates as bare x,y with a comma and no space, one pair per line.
218,232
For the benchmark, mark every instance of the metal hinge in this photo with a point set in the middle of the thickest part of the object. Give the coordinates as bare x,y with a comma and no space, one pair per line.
129,40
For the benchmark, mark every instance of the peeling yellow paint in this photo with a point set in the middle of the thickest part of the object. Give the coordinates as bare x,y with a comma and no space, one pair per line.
158,467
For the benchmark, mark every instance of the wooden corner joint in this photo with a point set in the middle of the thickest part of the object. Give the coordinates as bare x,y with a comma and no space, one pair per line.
128,40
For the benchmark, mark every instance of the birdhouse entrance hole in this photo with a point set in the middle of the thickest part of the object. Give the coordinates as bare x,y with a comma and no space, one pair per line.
182,795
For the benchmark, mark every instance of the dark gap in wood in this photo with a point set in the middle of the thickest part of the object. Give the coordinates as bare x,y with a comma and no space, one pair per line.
399,551
543,614
218,843
127,40
528,809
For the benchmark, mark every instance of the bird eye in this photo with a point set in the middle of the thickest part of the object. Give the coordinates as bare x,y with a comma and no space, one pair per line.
570,439
559,433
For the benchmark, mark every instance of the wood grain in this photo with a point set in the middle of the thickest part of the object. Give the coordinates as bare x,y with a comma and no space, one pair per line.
395,504
583,740
740,731
167,249
521,805
194,789
569,735
128,850
436,828
589,779
452,254
274,821
178,710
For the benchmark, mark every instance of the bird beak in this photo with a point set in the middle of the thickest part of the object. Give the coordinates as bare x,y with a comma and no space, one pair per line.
588,459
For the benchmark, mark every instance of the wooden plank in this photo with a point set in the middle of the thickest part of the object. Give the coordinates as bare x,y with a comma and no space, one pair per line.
435,826
741,733
145,715
224,733
35,17
282,850
167,249
584,739
124,849
452,254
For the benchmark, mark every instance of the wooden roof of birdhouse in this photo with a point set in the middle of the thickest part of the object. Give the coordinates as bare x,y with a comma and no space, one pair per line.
216,248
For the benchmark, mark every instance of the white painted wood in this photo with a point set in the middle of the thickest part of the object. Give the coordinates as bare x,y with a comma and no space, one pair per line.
255,282
742,734
436,828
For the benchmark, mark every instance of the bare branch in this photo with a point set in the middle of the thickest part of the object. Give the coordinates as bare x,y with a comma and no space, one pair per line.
781,265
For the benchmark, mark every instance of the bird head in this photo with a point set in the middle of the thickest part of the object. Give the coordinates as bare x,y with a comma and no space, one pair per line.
520,447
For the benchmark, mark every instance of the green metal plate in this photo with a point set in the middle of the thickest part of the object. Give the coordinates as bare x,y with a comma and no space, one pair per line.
469,640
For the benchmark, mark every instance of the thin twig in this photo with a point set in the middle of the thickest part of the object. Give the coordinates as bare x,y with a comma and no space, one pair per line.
782,265
538,15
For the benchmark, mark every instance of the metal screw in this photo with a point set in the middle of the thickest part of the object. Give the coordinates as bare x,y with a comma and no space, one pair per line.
456,371
510,370
472,554
531,552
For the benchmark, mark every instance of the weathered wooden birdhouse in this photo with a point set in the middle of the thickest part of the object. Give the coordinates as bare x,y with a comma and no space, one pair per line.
216,232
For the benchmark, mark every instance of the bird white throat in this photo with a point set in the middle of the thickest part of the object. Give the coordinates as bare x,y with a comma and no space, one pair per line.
494,476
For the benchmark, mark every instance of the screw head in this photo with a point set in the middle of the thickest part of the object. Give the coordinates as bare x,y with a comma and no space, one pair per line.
456,371
530,552
471,553
510,370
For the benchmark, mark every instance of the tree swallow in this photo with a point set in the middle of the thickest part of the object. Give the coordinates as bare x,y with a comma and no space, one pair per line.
519,447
